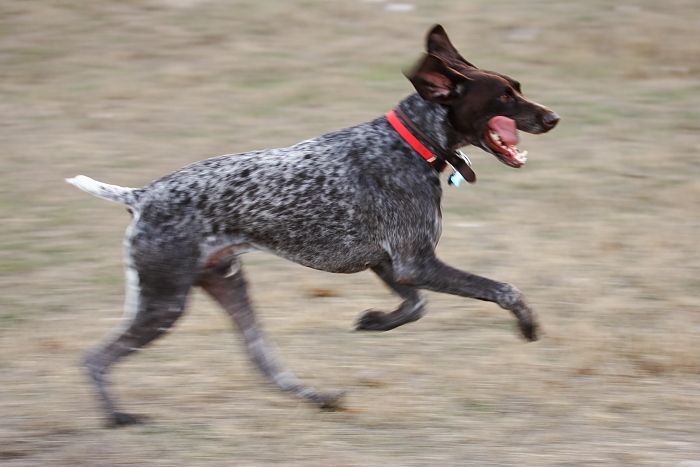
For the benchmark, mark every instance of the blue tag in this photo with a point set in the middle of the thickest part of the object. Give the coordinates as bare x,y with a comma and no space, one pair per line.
455,179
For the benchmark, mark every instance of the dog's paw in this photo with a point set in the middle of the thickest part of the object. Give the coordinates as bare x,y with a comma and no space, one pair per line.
371,320
330,400
527,324
529,328
527,319
119,419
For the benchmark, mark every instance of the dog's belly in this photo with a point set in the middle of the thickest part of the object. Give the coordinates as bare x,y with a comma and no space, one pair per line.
342,255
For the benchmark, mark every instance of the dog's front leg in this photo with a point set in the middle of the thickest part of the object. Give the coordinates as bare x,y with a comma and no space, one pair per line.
228,287
428,272
411,309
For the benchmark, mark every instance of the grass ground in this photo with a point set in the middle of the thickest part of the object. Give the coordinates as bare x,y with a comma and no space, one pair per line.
600,229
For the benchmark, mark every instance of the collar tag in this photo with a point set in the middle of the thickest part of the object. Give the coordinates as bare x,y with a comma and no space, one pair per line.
455,179
462,155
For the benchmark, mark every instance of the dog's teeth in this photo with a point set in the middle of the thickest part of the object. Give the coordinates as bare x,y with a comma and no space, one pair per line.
496,138
521,156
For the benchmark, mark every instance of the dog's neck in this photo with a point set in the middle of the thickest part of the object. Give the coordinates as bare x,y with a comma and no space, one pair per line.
432,119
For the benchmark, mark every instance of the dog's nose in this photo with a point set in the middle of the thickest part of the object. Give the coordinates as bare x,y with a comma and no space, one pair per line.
550,120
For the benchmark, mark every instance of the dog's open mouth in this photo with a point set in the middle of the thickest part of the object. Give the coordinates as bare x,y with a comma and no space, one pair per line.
501,137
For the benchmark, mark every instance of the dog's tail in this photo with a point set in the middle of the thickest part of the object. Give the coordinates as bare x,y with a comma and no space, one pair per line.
118,194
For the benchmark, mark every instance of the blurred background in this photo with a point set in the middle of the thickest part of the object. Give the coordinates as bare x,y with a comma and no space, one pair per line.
599,229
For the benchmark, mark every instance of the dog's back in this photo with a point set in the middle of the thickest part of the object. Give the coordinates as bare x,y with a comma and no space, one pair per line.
321,202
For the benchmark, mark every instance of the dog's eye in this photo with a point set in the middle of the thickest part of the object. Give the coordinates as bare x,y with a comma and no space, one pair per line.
508,95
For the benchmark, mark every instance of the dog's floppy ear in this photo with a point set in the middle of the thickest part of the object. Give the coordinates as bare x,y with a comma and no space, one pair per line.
438,44
437,82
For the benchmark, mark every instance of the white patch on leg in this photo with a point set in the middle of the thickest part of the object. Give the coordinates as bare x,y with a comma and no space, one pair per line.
133,292
418,305
132,302
132,285
233,270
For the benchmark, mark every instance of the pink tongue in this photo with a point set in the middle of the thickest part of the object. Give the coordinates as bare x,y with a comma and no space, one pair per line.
506,129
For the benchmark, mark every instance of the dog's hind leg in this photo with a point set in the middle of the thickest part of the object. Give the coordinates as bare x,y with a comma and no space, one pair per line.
152,306
411,309
227,285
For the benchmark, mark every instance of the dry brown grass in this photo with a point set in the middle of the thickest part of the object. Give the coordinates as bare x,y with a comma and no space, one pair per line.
600,229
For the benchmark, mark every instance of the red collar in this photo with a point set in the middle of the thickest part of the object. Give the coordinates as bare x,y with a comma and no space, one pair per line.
458,162
412,141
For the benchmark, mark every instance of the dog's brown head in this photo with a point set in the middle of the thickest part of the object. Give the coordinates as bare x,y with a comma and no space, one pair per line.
486,108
